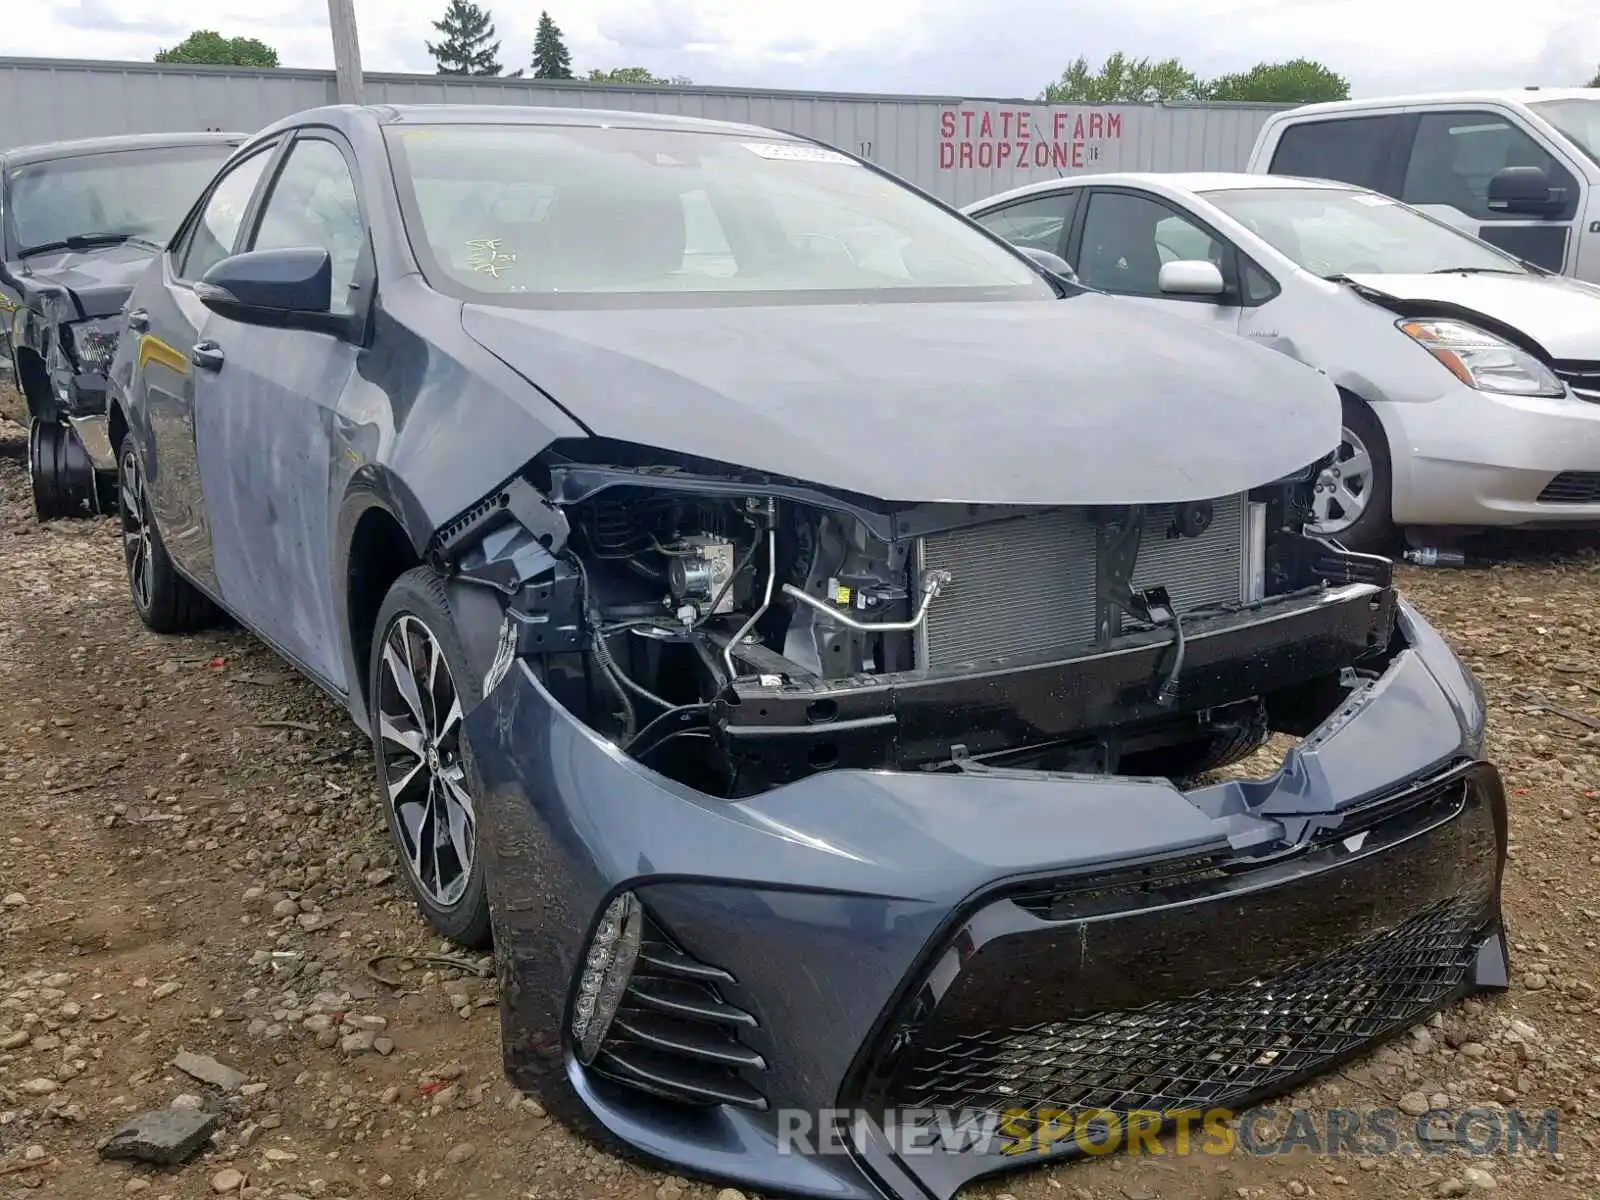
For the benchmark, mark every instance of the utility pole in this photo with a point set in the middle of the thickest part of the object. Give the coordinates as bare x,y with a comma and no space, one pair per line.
346,51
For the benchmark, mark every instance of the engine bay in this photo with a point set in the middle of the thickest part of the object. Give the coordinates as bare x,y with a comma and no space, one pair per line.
737,636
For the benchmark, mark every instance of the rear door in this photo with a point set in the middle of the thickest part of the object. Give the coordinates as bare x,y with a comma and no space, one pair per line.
263,422
169,321
1453,155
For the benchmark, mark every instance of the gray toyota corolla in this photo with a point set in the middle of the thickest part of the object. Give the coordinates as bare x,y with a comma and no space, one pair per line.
808,637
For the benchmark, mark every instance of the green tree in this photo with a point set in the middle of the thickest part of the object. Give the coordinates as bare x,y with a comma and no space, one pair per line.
1595,82
468,46
1298,81
550,57
1123,80
210,48
635,75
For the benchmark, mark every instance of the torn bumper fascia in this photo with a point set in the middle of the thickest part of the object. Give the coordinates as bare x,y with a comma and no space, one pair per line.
826,898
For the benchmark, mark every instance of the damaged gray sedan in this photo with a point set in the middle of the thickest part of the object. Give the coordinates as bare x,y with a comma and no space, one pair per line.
805,636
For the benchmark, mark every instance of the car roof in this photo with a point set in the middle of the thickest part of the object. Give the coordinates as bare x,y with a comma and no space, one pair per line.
46,151
1170,182
514,114
1525,95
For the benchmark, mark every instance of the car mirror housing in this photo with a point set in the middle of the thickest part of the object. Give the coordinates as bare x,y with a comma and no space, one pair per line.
1053,263
1524,190
292,287
1191,277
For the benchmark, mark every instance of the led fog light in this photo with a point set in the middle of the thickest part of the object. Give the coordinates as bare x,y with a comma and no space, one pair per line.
606,971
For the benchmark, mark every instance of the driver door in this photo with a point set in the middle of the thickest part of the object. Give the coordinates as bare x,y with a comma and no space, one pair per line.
1455,154
264,419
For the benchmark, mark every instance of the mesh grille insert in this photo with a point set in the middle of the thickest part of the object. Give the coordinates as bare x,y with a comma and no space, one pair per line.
1204,1050
1572,487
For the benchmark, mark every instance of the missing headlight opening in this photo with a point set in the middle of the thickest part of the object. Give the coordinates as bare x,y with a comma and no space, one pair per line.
737,634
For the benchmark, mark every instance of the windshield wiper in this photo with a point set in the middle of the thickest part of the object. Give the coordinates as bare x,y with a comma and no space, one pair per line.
80,241
1476,271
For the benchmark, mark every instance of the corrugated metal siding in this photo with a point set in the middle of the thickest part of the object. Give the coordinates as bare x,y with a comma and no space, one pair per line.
44,100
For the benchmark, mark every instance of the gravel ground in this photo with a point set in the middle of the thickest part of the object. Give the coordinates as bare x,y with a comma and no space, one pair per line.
191,859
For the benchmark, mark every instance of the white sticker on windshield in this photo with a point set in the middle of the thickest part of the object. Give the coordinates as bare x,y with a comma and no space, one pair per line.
796,152
1374,201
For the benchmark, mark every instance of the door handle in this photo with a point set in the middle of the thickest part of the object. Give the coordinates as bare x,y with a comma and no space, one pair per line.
138,320
207,356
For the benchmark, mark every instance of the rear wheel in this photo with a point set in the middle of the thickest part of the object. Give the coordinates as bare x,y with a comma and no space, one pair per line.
1351,498
421,687
165,601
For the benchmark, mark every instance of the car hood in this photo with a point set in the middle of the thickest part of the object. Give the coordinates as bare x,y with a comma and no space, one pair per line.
1561,315
1087,400
98,279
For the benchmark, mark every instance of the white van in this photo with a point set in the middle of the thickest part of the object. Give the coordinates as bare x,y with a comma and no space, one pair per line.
1518,168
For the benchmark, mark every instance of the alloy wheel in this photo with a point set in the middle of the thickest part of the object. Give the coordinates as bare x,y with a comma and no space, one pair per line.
1342,488
136,532
419,752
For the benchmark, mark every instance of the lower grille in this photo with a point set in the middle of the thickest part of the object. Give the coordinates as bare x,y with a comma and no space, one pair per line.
1572,487
675,1036
1581,377
1028,583
1206,1050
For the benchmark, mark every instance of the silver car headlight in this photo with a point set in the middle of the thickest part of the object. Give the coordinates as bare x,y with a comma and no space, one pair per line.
94,343
1481,360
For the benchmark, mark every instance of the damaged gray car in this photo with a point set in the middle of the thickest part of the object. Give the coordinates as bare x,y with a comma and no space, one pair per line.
806,638
79,222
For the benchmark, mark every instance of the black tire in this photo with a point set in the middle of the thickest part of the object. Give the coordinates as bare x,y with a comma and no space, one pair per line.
1373,532
418,602
59,470
166,602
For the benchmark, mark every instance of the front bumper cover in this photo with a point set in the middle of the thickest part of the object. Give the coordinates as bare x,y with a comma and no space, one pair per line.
923,943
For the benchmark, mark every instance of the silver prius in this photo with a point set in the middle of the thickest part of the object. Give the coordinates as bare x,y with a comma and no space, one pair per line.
1470,380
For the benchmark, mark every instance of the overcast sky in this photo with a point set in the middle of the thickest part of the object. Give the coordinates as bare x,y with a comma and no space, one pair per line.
1005,48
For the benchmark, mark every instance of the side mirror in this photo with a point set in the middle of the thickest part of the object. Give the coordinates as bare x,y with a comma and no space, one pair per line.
271,287
1524,190
1053,263
1191,277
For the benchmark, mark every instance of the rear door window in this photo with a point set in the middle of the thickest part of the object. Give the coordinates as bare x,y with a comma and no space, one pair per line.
1361,150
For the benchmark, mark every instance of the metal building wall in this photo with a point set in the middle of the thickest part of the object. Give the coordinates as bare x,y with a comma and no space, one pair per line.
938,142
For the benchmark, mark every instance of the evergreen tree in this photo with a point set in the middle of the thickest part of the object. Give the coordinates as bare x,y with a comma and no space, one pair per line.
468,47
550,57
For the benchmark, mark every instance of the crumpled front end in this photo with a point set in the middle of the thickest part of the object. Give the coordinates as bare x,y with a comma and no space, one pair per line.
888,982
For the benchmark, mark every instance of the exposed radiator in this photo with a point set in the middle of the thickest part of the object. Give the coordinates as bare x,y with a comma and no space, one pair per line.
1028,583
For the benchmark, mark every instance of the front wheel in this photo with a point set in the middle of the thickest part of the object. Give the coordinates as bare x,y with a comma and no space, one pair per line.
421,689
1351,497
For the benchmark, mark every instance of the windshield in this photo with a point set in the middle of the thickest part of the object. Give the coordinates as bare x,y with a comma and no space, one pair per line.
1333,231
544,215
1578,119
137,193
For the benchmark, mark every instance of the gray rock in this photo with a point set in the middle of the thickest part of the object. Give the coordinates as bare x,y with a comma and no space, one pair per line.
208,1070
167,1136
1413,1104
1480,1179
460,1153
